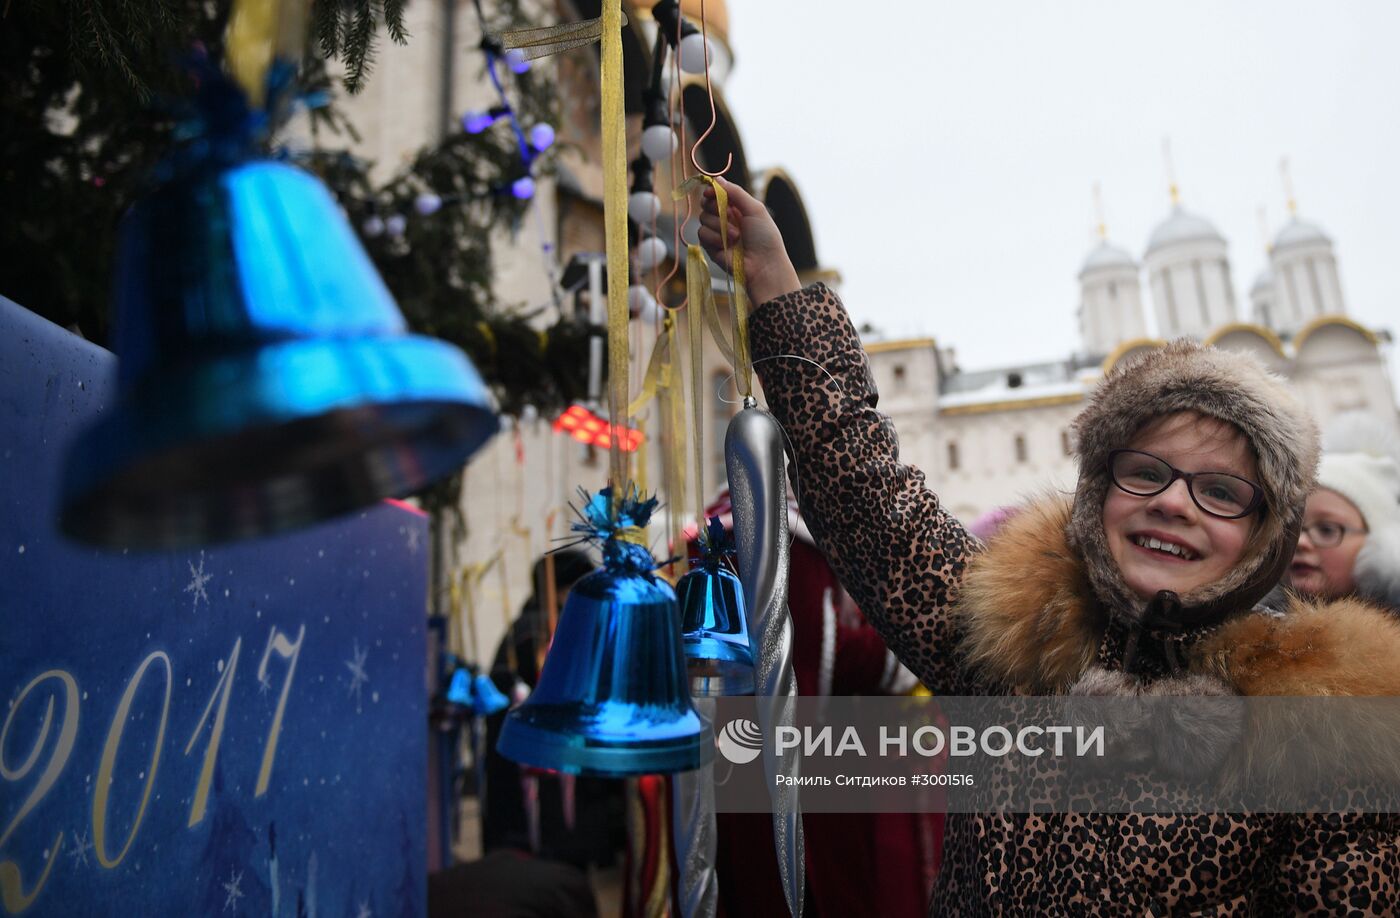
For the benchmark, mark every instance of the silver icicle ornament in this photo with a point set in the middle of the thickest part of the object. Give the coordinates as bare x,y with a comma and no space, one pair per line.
753,456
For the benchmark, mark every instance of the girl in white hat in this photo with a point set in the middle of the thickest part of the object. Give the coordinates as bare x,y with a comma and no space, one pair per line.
1350,542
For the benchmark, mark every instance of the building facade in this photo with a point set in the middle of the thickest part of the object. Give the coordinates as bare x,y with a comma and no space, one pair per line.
995,437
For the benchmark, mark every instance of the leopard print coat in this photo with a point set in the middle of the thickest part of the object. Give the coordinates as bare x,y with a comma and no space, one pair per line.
1021,617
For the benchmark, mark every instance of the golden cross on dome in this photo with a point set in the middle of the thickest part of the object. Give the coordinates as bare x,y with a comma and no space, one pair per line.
1101,227
1171,171
1288,187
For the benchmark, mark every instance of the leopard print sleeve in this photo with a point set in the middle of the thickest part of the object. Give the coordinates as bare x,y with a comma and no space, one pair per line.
895,549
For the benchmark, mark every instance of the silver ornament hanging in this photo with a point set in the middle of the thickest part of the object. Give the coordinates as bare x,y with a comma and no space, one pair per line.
753,456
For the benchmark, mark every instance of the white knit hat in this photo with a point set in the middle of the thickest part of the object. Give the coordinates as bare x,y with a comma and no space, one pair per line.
1370,479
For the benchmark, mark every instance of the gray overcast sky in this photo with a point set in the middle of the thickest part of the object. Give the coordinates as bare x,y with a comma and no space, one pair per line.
947,151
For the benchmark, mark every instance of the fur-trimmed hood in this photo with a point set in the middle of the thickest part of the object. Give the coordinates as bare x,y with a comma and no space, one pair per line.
1236,389
1029,621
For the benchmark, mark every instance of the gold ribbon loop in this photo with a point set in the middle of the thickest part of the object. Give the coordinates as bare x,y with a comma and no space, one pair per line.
711,311
673,459
260,32
543,41
737,352
487,333
738,300
660,358
695,267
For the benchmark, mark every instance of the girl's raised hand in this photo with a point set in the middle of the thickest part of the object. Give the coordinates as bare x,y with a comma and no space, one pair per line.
767,269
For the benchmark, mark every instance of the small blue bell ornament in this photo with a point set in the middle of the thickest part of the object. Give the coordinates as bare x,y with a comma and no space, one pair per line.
718,657
612,699
486,699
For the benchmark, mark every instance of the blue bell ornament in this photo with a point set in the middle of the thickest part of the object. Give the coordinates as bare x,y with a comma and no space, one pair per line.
266,377
612,699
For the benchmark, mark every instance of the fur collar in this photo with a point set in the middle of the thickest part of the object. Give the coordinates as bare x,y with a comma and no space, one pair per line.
1029,621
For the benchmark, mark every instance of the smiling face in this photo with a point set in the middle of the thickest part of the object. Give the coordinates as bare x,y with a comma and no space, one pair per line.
1328,573
1167,542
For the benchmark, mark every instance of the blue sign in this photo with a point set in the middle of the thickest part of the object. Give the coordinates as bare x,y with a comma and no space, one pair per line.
239,730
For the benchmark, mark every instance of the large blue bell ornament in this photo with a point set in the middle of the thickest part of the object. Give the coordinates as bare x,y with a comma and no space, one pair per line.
266,379
715,632
612,699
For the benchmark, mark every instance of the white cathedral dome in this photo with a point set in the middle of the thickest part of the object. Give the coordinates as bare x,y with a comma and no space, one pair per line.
1297,232
1107,255
1181,226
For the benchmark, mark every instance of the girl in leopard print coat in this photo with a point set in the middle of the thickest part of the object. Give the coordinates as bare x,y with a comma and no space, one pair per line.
1112,593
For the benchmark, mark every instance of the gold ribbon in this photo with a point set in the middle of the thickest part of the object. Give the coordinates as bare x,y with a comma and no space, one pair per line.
250,28
259,32
463,593
454,618
506,611
487,333
697,279
545,40
636,535
512,661
551,601
662,382
614,137
639,468
738,305
711,313
738,352
673,460
660,357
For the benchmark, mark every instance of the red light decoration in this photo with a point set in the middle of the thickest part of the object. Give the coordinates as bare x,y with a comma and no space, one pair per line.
586,427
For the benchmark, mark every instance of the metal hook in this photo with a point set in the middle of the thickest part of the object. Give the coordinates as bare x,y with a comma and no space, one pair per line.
710,92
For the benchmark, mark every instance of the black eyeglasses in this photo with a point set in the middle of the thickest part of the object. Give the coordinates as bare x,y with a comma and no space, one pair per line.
1327,534
1217,493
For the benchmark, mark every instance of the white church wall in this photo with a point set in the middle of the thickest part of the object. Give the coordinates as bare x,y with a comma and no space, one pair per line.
1340,369
991,472
905,372
1251,341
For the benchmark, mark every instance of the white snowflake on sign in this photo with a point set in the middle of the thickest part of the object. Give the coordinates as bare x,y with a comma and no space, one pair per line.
364,911
412,540
198,580
358,677
264,683
81,847
232,891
